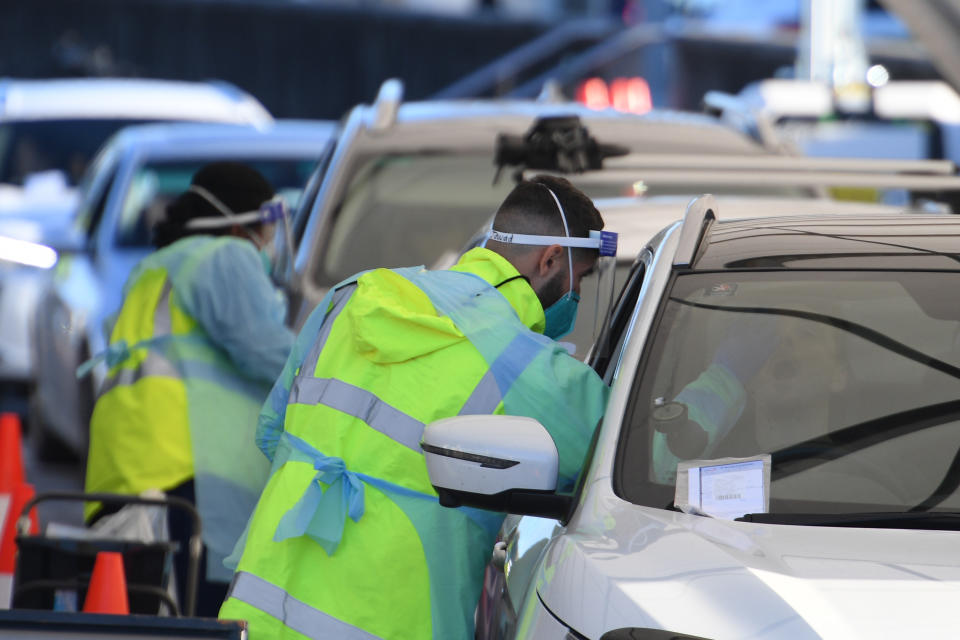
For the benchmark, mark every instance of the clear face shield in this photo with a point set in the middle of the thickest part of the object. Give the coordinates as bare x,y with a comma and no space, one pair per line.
275,239
561,315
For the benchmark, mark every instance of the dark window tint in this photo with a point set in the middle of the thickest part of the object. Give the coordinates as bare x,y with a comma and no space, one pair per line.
28,147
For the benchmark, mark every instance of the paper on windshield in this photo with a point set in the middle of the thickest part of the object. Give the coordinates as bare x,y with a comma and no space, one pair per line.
725,488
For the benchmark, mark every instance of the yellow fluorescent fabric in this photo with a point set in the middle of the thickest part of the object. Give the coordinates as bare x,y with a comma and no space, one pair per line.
139,456
139,433
177,404
383,577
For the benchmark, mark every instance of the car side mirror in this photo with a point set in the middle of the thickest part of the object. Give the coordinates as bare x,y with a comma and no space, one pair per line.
500,463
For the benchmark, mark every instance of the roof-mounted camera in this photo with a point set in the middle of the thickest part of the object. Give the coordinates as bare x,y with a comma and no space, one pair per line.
556,143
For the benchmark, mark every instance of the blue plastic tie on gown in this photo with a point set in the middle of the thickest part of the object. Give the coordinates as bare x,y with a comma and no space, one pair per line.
321,514
113,355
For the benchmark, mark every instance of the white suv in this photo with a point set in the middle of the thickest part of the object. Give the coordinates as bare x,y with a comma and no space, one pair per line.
779,455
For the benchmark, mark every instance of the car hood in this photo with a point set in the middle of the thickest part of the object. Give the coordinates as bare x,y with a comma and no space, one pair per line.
643,567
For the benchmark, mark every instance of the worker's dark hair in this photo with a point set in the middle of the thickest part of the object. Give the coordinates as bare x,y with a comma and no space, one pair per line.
530,209
236,185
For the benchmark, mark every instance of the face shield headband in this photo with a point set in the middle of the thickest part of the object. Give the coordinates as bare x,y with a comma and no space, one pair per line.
271,211
561,315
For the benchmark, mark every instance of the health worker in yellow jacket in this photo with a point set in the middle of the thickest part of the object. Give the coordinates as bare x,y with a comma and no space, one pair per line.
348,539
198,341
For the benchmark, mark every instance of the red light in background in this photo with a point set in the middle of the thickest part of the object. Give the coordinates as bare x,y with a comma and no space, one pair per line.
631,94
594,93
623,94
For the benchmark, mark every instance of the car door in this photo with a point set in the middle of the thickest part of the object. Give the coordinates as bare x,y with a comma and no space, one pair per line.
523,539
59,403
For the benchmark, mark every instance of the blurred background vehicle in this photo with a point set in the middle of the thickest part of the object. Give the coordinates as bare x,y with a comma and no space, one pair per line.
49,132
133,178
51,129
409,182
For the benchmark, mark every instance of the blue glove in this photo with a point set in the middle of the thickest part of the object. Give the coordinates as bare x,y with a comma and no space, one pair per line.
748,346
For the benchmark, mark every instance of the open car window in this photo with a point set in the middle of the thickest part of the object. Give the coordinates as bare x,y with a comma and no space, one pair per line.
155,185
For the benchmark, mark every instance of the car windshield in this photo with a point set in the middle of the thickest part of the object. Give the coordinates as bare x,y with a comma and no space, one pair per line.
850,380
412,209
33,146
156,184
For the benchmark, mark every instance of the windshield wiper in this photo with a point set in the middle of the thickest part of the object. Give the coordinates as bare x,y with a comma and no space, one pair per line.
871,335
937,520
843,442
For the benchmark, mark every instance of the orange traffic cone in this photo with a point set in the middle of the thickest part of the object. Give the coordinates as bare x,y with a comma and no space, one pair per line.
20,496
11,453
14,494
107,592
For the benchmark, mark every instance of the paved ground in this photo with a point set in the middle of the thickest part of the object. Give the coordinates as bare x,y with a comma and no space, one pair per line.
46,476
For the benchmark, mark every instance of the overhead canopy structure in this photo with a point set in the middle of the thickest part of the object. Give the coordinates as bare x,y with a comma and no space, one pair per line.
936,25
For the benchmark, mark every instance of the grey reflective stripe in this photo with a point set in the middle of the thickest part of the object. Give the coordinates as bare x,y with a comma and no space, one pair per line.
153,365
162,325
485,397
361,404
297,615
340,297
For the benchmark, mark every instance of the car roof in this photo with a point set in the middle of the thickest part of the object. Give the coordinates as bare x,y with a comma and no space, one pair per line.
178,140
478,123
843,241
636,220
127,98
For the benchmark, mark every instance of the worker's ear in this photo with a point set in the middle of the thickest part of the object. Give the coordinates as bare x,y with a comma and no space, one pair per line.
549,259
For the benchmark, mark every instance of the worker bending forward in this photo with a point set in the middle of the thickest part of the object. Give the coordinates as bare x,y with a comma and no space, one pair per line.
348,539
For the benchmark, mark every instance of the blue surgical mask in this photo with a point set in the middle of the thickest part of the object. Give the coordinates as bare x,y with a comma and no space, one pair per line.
266,259
561,315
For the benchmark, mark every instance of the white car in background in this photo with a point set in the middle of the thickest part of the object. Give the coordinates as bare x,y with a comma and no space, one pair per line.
408,182
51,129
49,132
137,173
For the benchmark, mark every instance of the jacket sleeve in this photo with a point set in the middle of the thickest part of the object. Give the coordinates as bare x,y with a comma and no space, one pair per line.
232,298
569,399
274,411
715,401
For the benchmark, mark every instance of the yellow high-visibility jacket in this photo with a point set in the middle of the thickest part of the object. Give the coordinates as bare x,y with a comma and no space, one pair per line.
348,539
186,383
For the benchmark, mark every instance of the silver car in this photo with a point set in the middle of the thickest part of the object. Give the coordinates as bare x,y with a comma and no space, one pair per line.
136,174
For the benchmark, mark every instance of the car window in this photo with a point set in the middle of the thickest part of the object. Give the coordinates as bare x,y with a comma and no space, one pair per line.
155,185
849,380
612,329
310,191
28,147
91,211
411,209
597,291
